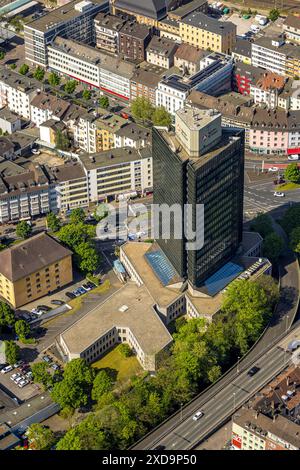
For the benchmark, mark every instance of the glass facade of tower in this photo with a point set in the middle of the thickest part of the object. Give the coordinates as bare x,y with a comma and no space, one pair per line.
218,184
169,182
215,180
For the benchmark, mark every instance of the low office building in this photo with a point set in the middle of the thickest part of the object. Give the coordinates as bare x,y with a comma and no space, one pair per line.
133,40
187,8
270,420
276,55
245,75
148,12
33,269
132,135
70,186
205,32
161,52
187,58
128,316
143,84
107,29
17,91
291,29
117,172
91,66
9,122
45,106
214,78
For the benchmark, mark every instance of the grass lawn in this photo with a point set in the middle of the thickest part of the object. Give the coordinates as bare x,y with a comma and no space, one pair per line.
125,367
287,186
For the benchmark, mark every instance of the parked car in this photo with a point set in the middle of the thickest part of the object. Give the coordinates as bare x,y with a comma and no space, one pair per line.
273,169
47,359
9,230
35,151
23,383
19,379
253,371
278,194
55,366
18,364
6,369
90,284
290,157
86,287
81,290
293,345
57,302
198,415
70,295
15,376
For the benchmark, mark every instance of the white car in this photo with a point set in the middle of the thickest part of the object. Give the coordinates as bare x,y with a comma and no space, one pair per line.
293,157
6,369
198,415
35,151
273,169
15,376
277,194
19,379
23,383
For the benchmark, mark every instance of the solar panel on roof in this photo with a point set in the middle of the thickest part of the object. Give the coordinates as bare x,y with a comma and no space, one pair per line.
222,277
161,266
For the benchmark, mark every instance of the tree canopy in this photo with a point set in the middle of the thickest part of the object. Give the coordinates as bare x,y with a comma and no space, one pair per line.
295,239
40,437
70,86
23,70
104,102
39,74
102,384
53,222
7,315
272,246
22,329
262,224
12,352
23,229
54,79
292,173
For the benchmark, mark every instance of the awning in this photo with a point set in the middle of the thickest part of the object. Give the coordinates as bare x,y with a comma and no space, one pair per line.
293,151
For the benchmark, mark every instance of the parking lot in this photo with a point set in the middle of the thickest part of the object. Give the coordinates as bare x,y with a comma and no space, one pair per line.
242,25
26,392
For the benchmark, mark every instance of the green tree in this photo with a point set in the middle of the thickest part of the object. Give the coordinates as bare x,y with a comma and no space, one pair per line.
69,394
40,437
86,95
295,239
53,222
262,224
41,374
125,350
87,257
272,246
104,102
77,216
2,247
142,108
102,384
54,79
247,309
161,117
70,86
7,315
39,74
292,173
12,352
274,14
75,234
23,229
2,55
270,286
291,218
79,371
88,435
22,329
23,70
13,66
62,141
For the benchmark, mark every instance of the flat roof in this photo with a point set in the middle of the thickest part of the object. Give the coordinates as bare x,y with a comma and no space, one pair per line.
140,317
8,115
189,7
60,15
113,156
285,49
135,252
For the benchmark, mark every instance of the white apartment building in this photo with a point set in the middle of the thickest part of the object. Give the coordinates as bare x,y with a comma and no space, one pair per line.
133,136
74,20
171,94
46,106
268,97
85,134
70,185
117,172
17,91
268,54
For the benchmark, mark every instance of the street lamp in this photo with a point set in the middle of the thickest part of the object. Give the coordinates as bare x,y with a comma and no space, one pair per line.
233,402
237,365
180,411
286,323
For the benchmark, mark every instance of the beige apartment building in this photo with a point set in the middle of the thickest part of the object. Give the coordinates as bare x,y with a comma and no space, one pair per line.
207,33
33,269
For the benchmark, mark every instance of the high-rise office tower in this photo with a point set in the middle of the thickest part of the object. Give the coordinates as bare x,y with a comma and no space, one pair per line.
200,163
